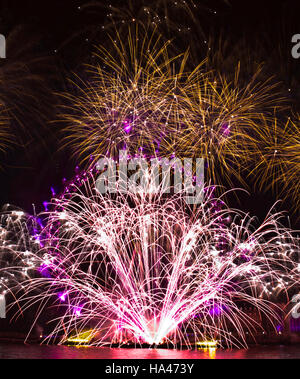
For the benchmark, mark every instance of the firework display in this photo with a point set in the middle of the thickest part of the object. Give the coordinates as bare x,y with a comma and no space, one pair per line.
114,261
150,269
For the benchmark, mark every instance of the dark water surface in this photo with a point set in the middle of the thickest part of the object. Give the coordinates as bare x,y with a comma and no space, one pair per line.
10,351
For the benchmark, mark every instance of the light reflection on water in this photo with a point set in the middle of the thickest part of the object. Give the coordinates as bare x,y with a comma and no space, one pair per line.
9,351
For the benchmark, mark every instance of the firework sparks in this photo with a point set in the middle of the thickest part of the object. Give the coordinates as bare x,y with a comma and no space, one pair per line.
5,133
18,240
219,119
277,166
129,100
138,98
150,269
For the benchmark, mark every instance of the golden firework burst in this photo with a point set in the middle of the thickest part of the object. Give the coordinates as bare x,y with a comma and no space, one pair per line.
140,99
129,100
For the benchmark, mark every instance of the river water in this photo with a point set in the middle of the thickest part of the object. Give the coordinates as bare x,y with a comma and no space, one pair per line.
11,351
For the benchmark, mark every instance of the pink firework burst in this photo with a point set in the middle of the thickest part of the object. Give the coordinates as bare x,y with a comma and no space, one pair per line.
151,269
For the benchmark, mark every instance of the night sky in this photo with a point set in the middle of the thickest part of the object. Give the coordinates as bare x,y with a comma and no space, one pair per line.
55,38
